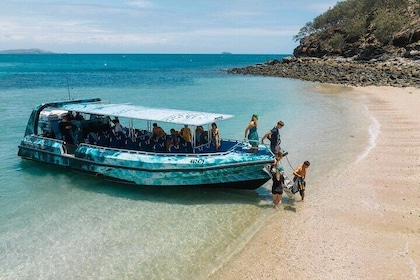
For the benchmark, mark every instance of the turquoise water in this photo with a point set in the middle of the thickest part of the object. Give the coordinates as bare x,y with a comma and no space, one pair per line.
58,224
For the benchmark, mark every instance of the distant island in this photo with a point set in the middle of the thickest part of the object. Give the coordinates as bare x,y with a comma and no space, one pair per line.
25,51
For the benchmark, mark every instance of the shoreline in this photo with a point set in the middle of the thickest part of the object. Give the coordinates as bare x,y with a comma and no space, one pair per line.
363,223
374,130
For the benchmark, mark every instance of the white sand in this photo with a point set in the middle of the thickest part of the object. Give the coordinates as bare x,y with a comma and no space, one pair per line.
363,223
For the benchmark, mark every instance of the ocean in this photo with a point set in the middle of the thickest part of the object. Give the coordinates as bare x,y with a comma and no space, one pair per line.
59,224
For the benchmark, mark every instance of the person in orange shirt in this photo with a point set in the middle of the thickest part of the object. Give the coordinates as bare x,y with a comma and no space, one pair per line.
300,175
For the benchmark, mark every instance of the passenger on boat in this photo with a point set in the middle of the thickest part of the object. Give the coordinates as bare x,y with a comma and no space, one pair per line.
172,140
157,131
65,127
79,117
215,136
253,134
70,116
185,133
117,126
198,135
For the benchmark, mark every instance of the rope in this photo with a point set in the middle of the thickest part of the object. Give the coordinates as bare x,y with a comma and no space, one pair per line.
289,162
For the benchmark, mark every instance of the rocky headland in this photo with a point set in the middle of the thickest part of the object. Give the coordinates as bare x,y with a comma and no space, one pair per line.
358,43
395,71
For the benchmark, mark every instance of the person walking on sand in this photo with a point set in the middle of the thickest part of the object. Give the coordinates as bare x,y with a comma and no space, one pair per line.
300,175
253,134
277,188
274,136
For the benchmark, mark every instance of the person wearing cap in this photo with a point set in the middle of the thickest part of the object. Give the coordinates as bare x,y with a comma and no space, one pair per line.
253,134
300,175
274,136
277,188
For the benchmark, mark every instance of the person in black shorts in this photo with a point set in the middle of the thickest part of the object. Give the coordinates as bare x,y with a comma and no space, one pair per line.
300,175
277,188
274,136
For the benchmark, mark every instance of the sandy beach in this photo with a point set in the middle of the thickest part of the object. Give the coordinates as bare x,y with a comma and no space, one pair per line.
363,223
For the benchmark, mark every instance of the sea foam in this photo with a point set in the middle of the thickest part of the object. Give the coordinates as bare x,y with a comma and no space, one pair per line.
374,130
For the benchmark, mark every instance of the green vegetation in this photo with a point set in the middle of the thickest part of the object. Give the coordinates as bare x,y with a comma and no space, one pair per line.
350,20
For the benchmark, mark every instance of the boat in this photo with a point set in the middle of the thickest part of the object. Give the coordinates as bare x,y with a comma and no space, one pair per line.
136,155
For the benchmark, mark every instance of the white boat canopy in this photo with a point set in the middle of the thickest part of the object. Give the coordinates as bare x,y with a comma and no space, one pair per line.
145,113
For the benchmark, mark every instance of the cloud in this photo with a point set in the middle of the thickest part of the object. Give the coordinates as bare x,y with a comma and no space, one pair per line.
140,4
229,32
161,25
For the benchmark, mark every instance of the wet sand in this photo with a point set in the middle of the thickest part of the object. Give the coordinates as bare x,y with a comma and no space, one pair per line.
363,223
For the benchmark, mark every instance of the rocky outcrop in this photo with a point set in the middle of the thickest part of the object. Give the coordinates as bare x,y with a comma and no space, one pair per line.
336,40
332,55
387,71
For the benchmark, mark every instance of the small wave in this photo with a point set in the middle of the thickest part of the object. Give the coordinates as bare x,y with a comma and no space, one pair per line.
374,130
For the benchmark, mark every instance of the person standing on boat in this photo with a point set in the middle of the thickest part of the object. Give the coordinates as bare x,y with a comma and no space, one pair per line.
185,133
274,136
65,127
157,131
299,179
277,187
253,134
215,136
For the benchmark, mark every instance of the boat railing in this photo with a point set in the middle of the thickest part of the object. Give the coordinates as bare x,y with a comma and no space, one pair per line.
228,146
236,146
60,144
166,153
48,138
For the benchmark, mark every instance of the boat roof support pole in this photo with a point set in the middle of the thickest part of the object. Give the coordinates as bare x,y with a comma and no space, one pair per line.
193,128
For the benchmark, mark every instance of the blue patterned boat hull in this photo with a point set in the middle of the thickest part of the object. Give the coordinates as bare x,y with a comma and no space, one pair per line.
233,169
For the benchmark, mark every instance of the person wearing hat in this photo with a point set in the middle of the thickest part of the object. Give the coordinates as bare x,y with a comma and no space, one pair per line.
253,134
277,188
300,175
274,136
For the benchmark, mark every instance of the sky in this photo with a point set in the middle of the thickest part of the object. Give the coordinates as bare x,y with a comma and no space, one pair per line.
156,26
